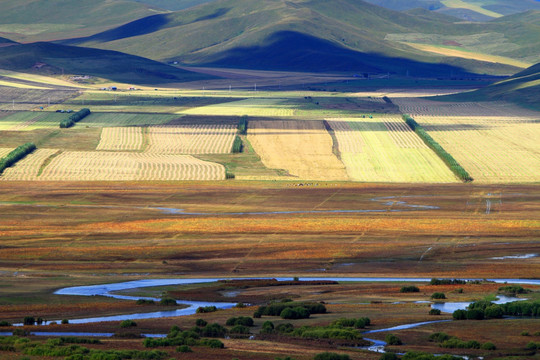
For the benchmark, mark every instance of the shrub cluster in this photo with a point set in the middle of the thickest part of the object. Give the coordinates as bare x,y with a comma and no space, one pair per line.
438,149
434,312
241,320
452,342
205,309
485,309
76,117
298,312
192,337
145,302
436,281
167,301
237,146
127,323
417,355
409,289
276,309
19,153
392,339
513,290
243,125
438,296
359,323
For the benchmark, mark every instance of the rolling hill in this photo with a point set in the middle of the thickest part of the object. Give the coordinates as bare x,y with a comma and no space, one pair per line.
471,10
51,59
523,88
354,34
37,20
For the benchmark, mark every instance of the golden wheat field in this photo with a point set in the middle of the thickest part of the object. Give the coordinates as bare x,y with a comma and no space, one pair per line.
191,139
121,139
28,168
386,149
495,142
115,166
302,148
4,152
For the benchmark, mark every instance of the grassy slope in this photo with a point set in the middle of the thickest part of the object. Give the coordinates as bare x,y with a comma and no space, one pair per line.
32,20
210,33
173,5
522,88
111,65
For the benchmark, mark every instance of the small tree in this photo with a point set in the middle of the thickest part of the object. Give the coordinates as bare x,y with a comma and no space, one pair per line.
392,339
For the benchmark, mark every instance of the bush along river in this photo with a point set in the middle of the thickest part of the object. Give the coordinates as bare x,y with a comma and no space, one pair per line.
109,290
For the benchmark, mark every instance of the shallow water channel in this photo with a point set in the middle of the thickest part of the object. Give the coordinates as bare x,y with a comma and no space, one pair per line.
110,289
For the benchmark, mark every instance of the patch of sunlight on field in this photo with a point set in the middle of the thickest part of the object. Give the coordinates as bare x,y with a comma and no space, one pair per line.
449,51
385,149
21,86
35,29
495,142
302,148
37,78
465,5
125,119
251,107
29,120
128,166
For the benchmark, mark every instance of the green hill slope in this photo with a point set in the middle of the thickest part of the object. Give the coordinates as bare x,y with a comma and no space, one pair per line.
32,20
54,59
231,32
522,88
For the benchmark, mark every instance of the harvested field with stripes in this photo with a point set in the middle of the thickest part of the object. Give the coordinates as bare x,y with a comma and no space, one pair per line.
302,148
28,168
495,142
121,139
386,149
191,139
4,152
115,166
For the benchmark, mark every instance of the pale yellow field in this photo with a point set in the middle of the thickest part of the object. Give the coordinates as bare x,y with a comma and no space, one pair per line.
121,138
302,148
495,142
250,107
191,139
4,152
21,86
465,5
38,78
93,166
385,149
28,168
445,51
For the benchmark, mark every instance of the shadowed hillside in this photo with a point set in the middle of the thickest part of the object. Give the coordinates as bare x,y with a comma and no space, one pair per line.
47,58
222,33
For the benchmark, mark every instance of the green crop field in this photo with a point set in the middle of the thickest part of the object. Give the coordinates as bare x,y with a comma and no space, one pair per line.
125,119
28,121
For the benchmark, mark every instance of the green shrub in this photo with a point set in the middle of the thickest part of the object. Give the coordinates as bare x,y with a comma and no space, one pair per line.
29,320
206,309
295,313
243,125
5,323
409,289
184,349
242,320
513,290
128,323
448,159
434,312
331,356
145,302
532,346
275,309
201,322
65,321
436,281
439,337
237,146
475,314
525,333
213,330
438,295
267,327
212,343
459,314
18,154
494,312
455,343
285,328
74,118
168,302
239,329
392,339
488,346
